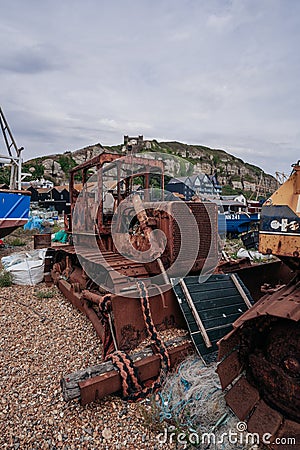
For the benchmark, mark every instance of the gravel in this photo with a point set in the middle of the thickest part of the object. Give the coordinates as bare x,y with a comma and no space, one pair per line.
41,340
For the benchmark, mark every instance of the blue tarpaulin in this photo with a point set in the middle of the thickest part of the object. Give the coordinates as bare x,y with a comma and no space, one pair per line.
34,223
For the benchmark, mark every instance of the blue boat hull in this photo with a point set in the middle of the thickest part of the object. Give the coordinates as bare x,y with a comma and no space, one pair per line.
14,210
236,223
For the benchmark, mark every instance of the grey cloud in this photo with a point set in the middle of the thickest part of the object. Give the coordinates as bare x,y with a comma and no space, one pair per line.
220,73
32,60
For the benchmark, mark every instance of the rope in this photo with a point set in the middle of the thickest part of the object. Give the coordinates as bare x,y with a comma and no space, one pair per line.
133,389
131,385
105,309
150,327
192,401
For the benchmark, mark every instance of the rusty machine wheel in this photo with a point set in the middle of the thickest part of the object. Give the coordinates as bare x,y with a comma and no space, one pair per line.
259,364
259,361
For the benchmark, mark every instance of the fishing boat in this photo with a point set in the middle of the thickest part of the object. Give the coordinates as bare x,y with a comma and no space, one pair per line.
236,216
14,202
241,222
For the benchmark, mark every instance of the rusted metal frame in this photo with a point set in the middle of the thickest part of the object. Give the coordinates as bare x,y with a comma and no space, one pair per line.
146,185
70,382
99,184
128,186
102,229
100,198
72,296
129,321
84,176
92,316
119,197
229,369
254,276
242,398
129,327
80,303
195,313
141,161
91,296
156,245
97,160
111,382
98,222
147,164
286,397
264,420
95,298
128,189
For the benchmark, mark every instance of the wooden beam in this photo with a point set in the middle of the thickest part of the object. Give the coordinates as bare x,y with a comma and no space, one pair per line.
103,379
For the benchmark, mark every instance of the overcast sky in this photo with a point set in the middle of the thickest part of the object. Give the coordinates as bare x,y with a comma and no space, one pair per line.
225,74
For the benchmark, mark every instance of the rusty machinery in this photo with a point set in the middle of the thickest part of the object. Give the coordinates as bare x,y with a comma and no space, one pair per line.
99,273
260,359
98,261
90,228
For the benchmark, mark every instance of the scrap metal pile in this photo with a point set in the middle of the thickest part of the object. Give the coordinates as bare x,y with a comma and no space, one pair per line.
264,345
138,263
